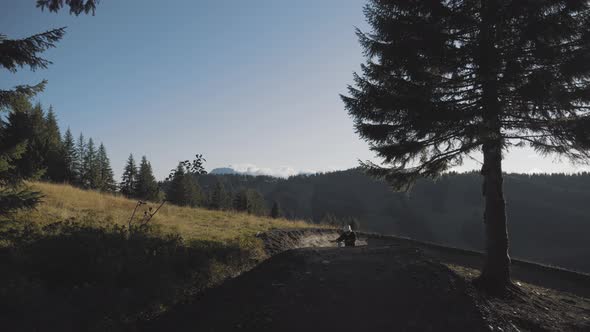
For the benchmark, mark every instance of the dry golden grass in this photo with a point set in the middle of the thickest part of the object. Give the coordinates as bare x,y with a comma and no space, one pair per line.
62,202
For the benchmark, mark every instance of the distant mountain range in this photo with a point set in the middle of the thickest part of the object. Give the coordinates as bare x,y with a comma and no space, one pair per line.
283,172
224,171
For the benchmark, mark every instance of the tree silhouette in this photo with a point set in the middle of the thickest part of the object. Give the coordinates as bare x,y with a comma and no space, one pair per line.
91,176
19,53
70,157
105,172
53,148
16,54
79,164
183,189
76,6
129,178
147,187
26,123
444,79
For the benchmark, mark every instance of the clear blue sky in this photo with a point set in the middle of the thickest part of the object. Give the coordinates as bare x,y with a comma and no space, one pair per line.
241,82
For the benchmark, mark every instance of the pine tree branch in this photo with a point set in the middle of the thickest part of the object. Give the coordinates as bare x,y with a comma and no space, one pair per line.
76,6
17,199
15,53
26,91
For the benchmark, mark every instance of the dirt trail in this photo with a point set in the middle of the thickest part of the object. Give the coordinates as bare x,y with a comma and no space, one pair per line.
393,288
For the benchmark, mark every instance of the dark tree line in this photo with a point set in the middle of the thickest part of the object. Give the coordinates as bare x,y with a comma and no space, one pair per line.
49,156
16,54
184,187
446,211
332,220
139,182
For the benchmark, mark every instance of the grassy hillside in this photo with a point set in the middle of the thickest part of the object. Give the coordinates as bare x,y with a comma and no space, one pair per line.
63,202
73,265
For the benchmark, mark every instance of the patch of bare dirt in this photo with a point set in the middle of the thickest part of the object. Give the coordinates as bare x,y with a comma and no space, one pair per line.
529,307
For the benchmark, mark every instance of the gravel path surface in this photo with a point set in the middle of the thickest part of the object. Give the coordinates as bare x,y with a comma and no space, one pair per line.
394,288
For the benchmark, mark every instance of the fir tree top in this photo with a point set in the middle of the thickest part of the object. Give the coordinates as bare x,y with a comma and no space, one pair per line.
444,78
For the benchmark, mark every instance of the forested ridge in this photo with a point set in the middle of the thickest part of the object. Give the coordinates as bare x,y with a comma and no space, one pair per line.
548,213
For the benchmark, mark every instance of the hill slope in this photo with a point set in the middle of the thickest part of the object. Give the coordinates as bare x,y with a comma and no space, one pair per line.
73,265
63,202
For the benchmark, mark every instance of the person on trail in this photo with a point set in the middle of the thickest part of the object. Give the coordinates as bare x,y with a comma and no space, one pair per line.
348,237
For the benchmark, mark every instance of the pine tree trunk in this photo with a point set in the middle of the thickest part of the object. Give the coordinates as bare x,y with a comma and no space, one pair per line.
495,276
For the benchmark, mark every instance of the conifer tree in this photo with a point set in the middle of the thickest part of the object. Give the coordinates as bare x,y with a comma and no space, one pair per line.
192,191
80,164
14,194
240,200
147,187
250,201
15,54
35,158
445,79
19,53
26,123
220,200
183,189
91,177
53,148
176,192
129,178
69,157
105,172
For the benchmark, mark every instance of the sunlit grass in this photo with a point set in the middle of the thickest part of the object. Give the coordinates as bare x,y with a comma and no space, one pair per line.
63,202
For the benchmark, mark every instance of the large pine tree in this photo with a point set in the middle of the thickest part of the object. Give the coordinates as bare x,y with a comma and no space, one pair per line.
19,53
129,178
445,79
16,54
147,187
14,194
26,123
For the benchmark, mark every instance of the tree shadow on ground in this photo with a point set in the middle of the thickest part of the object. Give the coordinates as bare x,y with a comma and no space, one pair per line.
71,276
